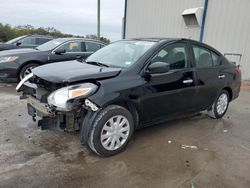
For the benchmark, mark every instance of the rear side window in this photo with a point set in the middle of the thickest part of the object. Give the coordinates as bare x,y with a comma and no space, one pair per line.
92,46
216,59
174,54
203,57
40,41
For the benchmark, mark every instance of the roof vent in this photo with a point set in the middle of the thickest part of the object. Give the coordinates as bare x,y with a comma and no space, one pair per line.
192,17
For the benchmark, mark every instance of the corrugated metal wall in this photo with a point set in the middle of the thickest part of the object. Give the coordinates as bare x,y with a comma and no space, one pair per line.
227,25
228,28
159,18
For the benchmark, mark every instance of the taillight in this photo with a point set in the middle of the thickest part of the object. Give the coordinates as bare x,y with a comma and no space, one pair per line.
237,69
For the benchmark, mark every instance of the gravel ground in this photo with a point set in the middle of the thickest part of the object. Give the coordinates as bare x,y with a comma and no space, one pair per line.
196,151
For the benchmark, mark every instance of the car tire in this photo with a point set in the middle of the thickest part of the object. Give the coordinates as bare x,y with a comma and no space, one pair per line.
111,131
25,70
220,106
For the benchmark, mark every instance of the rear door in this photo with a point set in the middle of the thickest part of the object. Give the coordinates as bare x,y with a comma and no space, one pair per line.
209,73
172,92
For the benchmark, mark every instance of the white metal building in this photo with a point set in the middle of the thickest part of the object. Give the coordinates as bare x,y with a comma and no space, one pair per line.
223,24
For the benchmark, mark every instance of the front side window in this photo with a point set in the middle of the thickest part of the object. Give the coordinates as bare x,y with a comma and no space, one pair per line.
28,41
174,54
51,44
203,57
92,46
72,47
121,54
15,40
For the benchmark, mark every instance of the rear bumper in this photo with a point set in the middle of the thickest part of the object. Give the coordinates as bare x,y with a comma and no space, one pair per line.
236,89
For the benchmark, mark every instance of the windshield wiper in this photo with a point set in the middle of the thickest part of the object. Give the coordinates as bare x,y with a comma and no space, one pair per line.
97,63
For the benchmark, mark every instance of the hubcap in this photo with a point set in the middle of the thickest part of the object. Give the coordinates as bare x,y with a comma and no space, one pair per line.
222,104
26,72
115,132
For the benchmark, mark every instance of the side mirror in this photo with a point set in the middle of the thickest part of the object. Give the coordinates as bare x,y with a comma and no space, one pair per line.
80,60
18,43
60,51
158,67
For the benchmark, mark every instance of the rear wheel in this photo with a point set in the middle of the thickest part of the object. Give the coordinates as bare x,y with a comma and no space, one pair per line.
26,70
220,106
111,131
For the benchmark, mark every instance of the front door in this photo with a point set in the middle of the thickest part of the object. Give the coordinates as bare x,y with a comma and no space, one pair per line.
172,92
73,51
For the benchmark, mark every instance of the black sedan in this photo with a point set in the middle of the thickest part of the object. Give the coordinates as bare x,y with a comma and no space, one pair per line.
128,85
25,41
16,64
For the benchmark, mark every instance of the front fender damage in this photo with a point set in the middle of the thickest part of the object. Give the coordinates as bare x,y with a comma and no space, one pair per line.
88,121
86,125
91,105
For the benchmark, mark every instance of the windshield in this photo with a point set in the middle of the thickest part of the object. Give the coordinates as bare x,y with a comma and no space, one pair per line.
121,54
14,40
50,45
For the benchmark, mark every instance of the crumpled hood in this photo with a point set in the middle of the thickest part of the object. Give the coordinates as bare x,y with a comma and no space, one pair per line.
73,71
17,51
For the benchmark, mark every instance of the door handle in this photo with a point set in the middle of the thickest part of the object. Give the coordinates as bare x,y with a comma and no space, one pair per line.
78,56
221,76
189,81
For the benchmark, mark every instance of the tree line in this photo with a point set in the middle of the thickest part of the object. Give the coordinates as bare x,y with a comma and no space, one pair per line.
8,32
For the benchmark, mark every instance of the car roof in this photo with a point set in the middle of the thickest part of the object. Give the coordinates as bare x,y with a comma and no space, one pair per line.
158,40
66,39
41,36
161,39
152,39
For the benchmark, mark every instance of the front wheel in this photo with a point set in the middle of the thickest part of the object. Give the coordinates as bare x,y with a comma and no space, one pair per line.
26,70
220,106
111,131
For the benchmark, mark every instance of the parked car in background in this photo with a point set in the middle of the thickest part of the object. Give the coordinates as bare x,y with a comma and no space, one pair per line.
16,64
26,41
128,85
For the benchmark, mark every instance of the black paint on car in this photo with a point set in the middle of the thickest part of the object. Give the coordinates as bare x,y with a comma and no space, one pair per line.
131,84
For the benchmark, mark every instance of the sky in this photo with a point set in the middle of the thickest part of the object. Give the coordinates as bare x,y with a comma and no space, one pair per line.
68,16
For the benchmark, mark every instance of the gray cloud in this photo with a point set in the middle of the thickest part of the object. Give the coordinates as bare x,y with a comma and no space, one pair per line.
75,16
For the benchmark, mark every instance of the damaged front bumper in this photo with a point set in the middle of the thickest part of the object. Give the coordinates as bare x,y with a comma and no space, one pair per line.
36,108
49,118
78,115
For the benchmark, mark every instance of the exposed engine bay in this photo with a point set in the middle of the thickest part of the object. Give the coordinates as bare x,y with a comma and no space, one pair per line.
66,117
